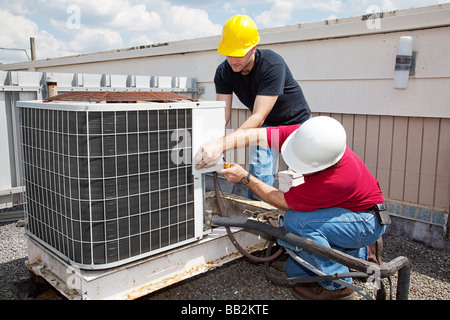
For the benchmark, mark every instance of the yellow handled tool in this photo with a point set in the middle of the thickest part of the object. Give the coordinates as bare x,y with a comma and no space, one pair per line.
226,165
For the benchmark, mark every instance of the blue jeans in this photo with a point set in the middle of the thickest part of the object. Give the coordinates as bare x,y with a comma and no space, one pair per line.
262,164
335,228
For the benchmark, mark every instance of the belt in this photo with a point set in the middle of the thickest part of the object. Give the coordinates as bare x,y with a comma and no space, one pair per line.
380,211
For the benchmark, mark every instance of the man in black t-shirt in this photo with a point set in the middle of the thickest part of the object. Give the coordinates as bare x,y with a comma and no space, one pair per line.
268,90
263,82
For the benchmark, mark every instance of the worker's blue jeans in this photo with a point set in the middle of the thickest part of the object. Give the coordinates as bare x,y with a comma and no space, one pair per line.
335,228
262,164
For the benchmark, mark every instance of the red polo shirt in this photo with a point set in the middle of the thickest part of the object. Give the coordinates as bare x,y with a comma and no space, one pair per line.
348,185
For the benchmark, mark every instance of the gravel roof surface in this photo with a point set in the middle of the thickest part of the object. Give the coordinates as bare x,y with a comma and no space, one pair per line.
238,280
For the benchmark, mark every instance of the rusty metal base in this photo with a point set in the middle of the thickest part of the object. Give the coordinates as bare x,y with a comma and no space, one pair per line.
150,274
141,277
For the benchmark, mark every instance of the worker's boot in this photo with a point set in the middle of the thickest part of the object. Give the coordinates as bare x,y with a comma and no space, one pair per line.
314,291
375,250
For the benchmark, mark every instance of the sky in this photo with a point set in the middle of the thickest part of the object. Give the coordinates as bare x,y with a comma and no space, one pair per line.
71,27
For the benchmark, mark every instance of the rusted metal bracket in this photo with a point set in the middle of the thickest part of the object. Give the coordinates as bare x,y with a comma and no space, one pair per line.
119,96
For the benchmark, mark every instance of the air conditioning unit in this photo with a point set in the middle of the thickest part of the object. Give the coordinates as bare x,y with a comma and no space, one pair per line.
109,177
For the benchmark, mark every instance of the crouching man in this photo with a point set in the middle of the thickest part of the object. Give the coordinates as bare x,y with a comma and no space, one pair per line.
335,206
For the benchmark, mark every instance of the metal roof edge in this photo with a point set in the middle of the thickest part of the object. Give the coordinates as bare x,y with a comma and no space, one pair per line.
395,21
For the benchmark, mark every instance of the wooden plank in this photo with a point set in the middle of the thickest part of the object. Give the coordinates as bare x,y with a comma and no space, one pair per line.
442,193
398,158
385,152
372,140
233,124
282,166
427,173
337,117
359,136
229,155
348,122
238,117
229,124
234,119
413,159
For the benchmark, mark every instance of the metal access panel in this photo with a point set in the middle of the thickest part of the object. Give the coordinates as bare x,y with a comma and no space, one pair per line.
111,183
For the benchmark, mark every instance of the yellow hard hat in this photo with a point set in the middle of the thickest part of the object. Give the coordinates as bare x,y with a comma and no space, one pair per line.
239,35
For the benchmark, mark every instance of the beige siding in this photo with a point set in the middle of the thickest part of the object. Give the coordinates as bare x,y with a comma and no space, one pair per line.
429,152
442,187
385,152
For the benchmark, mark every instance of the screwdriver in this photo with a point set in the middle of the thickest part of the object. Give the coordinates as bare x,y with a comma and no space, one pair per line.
226,165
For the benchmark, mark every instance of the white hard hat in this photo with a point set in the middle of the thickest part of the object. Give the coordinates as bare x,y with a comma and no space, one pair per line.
318,144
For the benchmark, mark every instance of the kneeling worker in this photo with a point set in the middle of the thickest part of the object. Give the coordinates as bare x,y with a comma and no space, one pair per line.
333,207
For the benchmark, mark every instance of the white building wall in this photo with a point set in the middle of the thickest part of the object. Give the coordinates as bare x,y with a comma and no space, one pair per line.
344,66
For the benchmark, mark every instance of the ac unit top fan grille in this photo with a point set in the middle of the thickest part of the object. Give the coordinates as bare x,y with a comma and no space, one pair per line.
119,96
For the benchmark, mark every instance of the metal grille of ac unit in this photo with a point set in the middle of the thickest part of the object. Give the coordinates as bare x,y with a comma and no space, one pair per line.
101,189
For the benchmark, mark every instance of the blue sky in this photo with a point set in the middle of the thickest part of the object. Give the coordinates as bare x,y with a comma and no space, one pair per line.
69,27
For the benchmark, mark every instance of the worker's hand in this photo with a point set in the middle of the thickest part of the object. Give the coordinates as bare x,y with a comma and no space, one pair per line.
207,155
234,173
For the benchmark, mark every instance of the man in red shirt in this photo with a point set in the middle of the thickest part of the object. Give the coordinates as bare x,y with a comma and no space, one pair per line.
333,205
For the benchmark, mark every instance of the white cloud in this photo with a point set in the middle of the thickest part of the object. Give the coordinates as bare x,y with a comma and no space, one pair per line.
19,37
185,23
281,11
47,46
278,15
331,17
329,5
228,7
232,9
139,40
178,23
136,18
95,39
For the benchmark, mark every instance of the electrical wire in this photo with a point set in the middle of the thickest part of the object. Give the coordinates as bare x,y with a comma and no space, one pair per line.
1,48
223,213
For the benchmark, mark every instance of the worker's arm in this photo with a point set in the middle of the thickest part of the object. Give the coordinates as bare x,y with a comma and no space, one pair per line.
209,153
261,109
264,191
228,98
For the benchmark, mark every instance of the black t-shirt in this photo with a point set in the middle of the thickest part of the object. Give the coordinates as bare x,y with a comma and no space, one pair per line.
270,76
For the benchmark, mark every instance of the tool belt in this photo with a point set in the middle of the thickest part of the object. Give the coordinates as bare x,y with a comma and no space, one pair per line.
380,211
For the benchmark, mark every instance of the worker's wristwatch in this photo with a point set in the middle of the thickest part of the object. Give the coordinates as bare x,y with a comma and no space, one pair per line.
245,180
